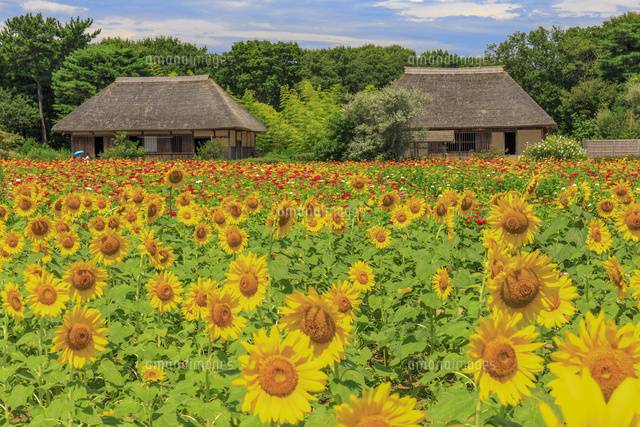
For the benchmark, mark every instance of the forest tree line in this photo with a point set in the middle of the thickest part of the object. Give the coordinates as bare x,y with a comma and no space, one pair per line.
586,78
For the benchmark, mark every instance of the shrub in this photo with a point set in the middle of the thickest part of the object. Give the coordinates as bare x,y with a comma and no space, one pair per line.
491,153
556,147
30,149
214,149
123,148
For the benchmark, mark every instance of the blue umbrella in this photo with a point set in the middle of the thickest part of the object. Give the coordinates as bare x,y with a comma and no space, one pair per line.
79,153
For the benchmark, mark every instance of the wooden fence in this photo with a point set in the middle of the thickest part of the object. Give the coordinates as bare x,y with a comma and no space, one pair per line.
612,147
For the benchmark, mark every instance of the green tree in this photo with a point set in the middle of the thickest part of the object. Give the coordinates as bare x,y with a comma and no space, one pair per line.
620,47
18,113
376,122
33,47
87,71
262,67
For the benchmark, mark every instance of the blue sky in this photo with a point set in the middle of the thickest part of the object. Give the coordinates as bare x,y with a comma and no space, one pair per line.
461,26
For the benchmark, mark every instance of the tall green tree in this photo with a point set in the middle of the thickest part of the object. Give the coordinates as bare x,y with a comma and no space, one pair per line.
33,47
262,67
18,113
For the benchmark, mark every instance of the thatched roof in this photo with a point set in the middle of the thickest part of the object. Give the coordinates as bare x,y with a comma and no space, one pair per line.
468,98
159,104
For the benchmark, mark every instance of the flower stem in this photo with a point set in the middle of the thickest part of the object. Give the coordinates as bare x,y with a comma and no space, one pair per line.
478,412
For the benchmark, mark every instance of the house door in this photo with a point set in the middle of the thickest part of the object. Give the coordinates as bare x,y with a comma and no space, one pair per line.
98,146
510,142
238,149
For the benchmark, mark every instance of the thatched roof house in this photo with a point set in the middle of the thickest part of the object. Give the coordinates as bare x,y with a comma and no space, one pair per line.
473,109
171,116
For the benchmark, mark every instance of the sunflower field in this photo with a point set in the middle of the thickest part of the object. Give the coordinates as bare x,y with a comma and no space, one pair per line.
436,292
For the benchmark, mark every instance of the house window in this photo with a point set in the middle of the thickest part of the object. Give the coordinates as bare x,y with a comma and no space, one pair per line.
151,144
176,144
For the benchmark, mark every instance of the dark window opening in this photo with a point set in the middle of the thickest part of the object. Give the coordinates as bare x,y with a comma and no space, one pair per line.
176,143
98,142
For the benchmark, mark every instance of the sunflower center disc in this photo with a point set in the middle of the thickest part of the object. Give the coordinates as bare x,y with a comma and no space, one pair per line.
441,209
79,337
152,210
40,227
47,295
283,217
343,303
520,288
73,203
165,292
62,228
358,184
632,219
221,315
235,211
109,245
401,217
466,204
248,284
606,206
252,203
234,239
515,222
596,235
25,204
201,299
278,377
15,302
362,277
443,283
381,236
67,242
83,279
372,421
610,368
175,177
201,233
218,218
318,325
12,241
387,200
499,359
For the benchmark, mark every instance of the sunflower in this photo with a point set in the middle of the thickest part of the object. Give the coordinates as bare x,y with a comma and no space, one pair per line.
132,218
380,237
188,215
616,275
109,247
582,403
560,308
114,223
86,281
184,199
401,217
195,303
12,242
388,201
202,233
318,318
164,292
417,207
47,295
336,220
598,237
102,203
586,193
358,183
235,211
39,229
4,213
43,249
248,279
441,283
97,224
497,258
223,316
313,223
526,285
174,177
606,207
282,218
621,190
567,197
378,408
24,206
61,226
450,197
345,297
163,258
12,301
635,285
152,374
467,202
361,275
279,376
80,337
72,205
232,239
441,211
610,353
153,208
628,222
219,217
312,207
33,271
252,203
68,243
88,201
503,357
514,220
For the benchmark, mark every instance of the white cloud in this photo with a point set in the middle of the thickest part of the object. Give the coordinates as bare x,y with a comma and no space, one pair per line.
420,10
212,33
51,7
601,8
